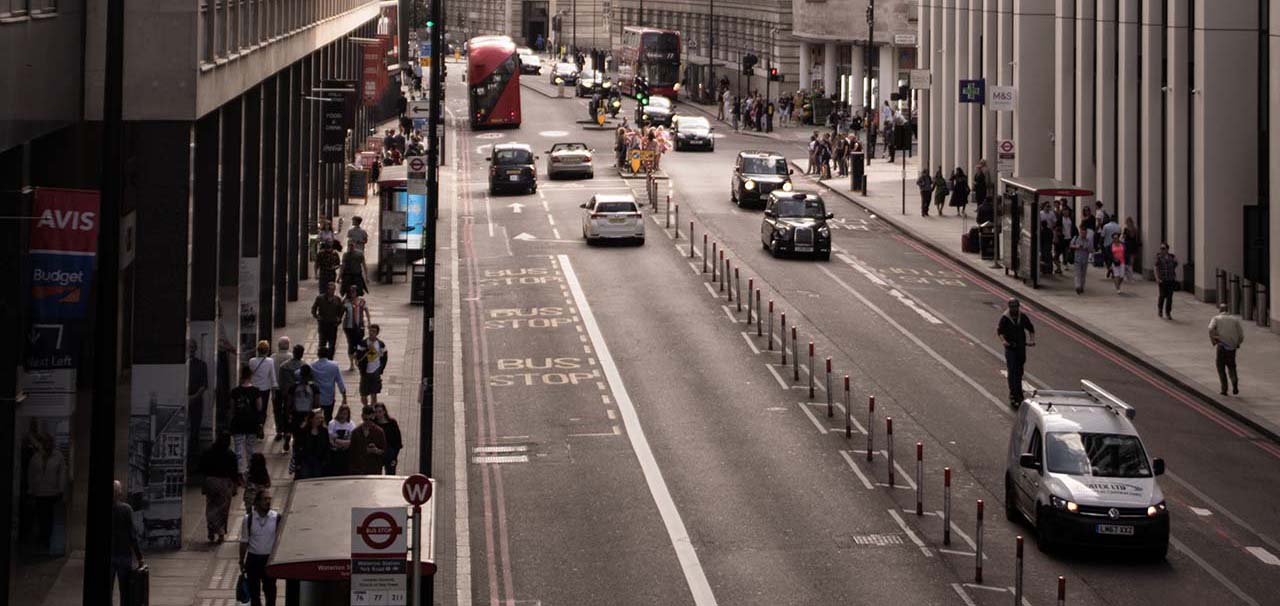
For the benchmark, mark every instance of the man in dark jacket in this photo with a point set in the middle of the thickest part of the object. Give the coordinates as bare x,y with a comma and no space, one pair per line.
1016,333
328,311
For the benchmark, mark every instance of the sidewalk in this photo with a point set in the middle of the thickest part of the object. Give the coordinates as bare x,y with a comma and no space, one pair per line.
204,574
1178,349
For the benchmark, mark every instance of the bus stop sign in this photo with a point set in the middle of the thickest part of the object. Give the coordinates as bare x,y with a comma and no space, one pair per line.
417,489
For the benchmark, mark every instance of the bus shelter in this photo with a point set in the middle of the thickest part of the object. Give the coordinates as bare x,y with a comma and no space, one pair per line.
1025,248
402,219
313,548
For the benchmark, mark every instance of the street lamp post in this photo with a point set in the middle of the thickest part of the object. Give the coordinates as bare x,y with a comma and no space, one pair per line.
871,38
711,47
574,8
641,19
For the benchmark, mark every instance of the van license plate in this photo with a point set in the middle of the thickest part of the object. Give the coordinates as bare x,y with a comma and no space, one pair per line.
514,177
1116,529
804,249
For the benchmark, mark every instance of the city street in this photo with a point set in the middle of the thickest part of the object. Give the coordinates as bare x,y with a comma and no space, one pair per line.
624,436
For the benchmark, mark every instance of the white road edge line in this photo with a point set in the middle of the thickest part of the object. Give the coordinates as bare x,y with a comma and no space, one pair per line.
1213,572
679,535
858,472
1261,553
461,505
963,596
911,535
997,402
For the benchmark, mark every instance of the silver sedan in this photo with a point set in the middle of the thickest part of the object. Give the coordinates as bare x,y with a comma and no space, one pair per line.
570,159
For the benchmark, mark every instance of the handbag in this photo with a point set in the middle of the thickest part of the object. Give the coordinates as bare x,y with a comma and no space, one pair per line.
243,595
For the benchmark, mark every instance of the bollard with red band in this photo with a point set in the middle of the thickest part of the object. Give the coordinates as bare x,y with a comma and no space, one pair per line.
946,506
668,223
871,424
737,290
716,260
1062,591
704,250
724,275
919,478
811,373
848,410
1017,573
784,339
977,541
677,224
760,321
795,353
831,411
770,325
888,444
751,286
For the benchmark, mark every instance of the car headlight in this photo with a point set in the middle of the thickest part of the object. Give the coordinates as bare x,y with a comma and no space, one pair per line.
780,232
1059,503
559,80
676,86
786,186
749,185
1156,509
824,231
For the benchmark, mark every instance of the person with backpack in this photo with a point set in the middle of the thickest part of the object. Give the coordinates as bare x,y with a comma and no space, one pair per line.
246,418
280,395
258,534
353,271
354,319
925,183
294,372
372,355
940,190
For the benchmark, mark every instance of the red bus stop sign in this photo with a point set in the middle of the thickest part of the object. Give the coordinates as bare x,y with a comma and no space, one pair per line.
416,489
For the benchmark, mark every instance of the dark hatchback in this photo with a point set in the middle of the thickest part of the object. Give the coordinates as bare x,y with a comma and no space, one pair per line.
796,222
756,174
511,167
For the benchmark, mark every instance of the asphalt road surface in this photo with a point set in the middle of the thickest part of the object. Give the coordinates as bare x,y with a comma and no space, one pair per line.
627,438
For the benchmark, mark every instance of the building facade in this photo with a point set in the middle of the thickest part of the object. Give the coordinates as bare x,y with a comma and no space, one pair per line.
226,173
1161,107
837,54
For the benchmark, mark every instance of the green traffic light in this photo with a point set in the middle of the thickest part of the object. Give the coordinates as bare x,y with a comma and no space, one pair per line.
431,24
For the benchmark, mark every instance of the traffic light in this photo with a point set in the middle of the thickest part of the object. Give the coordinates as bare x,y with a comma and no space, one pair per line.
642,91
748,64
774,76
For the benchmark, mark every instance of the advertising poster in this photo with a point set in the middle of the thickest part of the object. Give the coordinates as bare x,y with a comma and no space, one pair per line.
157,452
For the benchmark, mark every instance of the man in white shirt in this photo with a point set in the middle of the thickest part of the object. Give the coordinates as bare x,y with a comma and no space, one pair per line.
258,535
357,237
1227,336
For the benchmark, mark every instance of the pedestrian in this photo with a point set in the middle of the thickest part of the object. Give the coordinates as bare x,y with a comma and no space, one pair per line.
1081,249
354,319
768,117
728,105
357,237
340,429
1100,213
258,536
265,380
325,234
981,183
1111,230
327,262
737,112
1227,335
368,445
313,447
353,271
1132,246
812,167
395,441
925,183
126,553
46,483
722,102
1166,281
221,476
1016,334
280,395
372,356
197,384
959,190
328,377
327,310
824,157
940,190
258,479
245,419
1116,255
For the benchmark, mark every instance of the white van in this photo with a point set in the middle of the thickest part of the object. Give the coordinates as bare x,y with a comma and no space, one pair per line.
1077,470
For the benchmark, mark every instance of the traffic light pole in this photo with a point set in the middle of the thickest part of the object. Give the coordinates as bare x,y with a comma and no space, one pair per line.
426,412
871,38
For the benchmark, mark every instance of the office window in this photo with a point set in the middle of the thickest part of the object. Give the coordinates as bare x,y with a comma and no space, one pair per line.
13,8
41,7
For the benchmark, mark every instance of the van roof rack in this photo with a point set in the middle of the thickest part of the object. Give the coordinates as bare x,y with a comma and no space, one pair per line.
1089,391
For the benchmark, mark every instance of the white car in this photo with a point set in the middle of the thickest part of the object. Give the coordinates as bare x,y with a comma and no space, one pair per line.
1077,470
570,159
530,64
612,217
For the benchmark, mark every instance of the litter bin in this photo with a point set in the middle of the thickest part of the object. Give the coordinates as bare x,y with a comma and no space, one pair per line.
858,172
987,240
418,282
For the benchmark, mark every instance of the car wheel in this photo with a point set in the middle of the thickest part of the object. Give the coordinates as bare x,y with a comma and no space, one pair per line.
591,175
773,249
826,256
1159,553
640,242
1010,505
1043,542
533,189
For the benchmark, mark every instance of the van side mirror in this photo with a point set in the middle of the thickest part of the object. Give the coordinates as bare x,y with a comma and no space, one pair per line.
768,213
582,206
488,159
830,216
1157,466
1028,461
791,171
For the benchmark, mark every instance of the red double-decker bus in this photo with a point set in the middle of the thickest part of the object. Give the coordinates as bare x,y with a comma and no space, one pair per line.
653,54
493,82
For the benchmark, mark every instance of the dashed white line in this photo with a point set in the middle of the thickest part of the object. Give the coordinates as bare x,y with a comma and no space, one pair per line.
497,459
711,290
1200,511
777,376
1213,572
676,531
963,595
752,344
854,466
1261,553
805,408
729,312
914,539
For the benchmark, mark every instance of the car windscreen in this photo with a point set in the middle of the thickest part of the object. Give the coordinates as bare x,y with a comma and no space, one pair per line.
615,207
569,147
513,156
764,166
792,208
589,74
660,102
565,68
694,123
1102,455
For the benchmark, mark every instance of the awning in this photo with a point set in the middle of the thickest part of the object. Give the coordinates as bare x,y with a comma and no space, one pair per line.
1046,186
315,541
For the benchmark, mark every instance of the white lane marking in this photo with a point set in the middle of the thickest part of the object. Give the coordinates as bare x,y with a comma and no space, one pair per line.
500,459
1261,553
907,529
1200,511
554,133
986,587
1026,385
928,317
506,239
858,472
964,537
963,596
729,312
551,220
679,535
711,290
805,409
997,402
878,281
967,554
746,336
498,449
1213,572
1223,510
461,494
516,207
607,434
862,269
782,382
555,231
488,215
